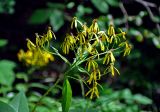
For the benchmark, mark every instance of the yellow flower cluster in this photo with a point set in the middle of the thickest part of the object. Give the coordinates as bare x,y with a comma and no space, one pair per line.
96,44
94,77
36,55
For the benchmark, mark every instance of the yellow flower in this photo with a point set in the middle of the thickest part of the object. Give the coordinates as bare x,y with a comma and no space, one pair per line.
50,34
35,57
30,45
111,31
74,23
127,48
103,35
112,36
122,34
93,76
94,26
109,57
81,38
112,69
68,43
93,91
102,45
36,54
85,29
39,41
89,47
91,65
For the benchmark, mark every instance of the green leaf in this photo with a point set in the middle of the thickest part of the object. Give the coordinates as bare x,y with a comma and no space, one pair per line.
138,35
126,94
40,16
142,99
22,87
67,96
3,42
101,5
5,107
70,5
156,42
81,11
4,89
113,3
6,72
56,20
38,85
23,76
19,103
54,5
83,70
138,21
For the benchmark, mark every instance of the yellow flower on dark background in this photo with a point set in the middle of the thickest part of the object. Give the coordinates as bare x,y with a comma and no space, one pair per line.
36,55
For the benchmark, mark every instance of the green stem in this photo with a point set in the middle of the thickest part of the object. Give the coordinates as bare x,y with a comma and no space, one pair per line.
45,94
98,54
62,57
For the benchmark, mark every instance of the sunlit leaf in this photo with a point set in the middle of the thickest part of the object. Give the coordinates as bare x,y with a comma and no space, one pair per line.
70,5
3,42
156,42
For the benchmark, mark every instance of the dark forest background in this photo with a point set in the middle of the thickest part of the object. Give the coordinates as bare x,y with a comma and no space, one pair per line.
21,19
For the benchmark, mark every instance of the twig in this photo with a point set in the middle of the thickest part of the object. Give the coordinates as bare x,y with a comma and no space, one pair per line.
125,14
147,5
45,94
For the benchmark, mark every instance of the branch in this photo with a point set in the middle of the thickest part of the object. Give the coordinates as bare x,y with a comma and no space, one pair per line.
147,5
125,14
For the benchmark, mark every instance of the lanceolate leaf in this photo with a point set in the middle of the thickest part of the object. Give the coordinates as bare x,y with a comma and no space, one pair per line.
66,95
19,103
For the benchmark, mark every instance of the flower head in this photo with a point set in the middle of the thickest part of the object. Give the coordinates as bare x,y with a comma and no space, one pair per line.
36,55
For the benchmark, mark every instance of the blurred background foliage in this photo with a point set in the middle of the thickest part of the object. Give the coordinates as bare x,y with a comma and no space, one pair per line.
139,72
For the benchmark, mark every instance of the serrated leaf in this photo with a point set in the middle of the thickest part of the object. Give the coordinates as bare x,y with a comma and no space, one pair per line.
19,103
101,5
3,42
66,95
4,107
6,72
